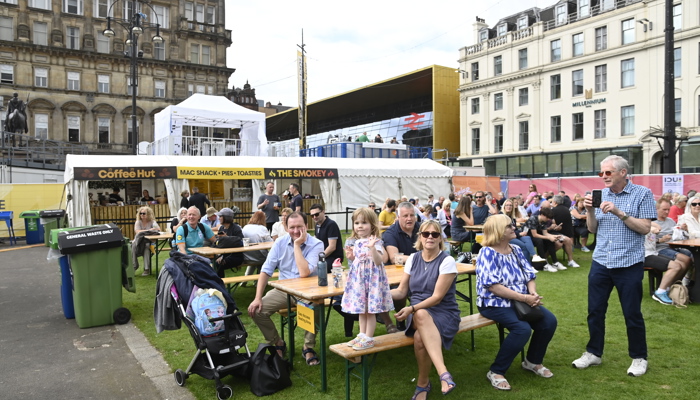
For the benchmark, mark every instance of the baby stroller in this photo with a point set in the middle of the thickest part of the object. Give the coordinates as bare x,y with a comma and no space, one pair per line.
213,321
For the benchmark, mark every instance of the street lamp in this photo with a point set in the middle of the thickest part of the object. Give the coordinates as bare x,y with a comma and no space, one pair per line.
135,26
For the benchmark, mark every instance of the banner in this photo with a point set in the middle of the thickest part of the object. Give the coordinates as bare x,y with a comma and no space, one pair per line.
301,173
219,173
673,183
109,173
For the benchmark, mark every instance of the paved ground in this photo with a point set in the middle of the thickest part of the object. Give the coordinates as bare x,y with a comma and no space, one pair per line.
45,355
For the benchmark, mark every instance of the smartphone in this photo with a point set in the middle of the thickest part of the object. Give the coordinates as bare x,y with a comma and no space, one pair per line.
597,198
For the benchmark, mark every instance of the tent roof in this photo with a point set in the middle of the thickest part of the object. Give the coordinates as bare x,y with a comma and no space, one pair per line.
215,110
379,167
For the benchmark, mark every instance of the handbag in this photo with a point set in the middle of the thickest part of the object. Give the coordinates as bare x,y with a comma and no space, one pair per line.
269,373
524,311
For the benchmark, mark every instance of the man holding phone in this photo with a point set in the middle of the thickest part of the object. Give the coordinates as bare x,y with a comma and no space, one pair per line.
621,223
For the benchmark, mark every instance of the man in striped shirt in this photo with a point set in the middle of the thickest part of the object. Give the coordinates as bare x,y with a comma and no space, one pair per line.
621,223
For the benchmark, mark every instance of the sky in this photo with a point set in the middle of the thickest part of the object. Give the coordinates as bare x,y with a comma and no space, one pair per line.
349,45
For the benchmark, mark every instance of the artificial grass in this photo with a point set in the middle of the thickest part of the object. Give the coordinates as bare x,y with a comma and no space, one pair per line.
674,349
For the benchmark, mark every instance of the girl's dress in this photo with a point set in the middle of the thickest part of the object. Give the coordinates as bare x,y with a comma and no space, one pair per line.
367,287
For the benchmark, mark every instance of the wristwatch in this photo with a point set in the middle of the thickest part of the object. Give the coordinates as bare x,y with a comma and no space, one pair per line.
624,216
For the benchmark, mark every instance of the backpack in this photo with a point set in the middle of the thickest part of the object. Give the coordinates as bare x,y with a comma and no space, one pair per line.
679,294
206,304
201,228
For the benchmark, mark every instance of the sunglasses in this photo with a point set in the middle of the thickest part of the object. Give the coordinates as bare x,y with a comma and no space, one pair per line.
605,173
371,206
142,213
478,197
435,235
315,215
695,204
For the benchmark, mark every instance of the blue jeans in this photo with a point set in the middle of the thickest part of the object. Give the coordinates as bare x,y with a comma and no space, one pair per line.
628,282
671,253
518,335
525,243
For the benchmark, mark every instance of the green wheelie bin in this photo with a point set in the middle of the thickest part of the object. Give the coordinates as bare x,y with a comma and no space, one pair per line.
52,219
99,258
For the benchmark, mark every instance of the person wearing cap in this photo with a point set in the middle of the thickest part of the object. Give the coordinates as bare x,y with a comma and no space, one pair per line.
211,218
228,227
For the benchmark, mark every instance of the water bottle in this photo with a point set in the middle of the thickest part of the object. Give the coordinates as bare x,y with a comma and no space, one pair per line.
337,272
322,270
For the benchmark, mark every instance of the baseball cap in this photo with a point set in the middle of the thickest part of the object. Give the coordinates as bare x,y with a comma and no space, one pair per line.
226,212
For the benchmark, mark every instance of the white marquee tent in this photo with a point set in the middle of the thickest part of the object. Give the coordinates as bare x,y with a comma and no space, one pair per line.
215,112
359,181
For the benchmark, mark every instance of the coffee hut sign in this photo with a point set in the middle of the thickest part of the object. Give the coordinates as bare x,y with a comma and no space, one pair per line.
109,173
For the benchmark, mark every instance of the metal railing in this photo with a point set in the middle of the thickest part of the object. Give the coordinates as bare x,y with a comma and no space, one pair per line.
203,146
22,150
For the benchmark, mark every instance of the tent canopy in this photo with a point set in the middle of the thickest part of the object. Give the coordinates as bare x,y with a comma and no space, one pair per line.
212,111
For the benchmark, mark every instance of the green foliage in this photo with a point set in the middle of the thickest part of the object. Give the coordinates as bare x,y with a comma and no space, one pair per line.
674,349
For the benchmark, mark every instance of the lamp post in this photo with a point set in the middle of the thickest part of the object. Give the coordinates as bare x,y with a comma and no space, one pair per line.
135,26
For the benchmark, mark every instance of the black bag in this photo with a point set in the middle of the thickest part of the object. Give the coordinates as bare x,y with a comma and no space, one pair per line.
227,242
269,373
527,313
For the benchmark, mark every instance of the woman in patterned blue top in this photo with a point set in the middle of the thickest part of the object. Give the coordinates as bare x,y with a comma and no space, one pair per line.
504,274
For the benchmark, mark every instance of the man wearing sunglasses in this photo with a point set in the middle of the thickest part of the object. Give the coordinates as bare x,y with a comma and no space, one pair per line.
621,224
328,232
480,209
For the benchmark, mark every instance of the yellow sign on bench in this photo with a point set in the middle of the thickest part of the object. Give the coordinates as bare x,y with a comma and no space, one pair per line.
306,317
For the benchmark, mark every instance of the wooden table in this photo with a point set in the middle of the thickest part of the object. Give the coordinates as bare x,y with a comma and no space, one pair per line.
165,238
212,252
307,290
694,246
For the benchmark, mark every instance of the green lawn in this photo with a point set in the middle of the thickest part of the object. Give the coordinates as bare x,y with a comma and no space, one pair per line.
674,349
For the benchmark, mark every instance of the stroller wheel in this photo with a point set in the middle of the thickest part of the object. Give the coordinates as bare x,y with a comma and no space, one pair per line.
180,377
224,392
121,315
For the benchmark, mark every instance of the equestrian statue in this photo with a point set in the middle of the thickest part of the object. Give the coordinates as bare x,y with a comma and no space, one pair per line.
16,118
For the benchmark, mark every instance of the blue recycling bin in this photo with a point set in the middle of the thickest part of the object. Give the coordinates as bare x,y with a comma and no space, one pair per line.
32,226
66,277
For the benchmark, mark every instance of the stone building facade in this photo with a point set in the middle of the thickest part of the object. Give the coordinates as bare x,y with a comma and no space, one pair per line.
78,81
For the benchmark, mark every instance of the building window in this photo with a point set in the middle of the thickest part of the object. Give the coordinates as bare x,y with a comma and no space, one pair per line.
501,29
498,101
677,62
41,77
200,54
601,38
6,32
601,78
555,130
498,139
475,105
41,126
159,89
577,126
677,17
483,35
627,113
206,55
41,34
584,8
524,140
189,11
190,89
599,117
560,13
628,31
522,58
102,9
556,50
42,4
476,141
161,16
475,72
103,83
210,17
498,65
555,87
200,89
73,38
129,9
130,88
577,42
522,22
523,97
606,5
7,74
73,7
73,128
103,130
159,51
73,80
677,111
102,43
577,83
628,73
210,91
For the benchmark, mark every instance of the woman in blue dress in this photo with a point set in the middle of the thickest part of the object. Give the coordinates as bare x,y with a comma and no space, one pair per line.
433,316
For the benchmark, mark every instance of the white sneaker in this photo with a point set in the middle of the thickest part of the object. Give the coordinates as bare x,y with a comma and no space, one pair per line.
588,359
573,264
537,258
585,249
559,266
550,268
638,367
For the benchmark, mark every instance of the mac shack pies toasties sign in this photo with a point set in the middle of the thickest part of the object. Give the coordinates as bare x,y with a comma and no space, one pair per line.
96,174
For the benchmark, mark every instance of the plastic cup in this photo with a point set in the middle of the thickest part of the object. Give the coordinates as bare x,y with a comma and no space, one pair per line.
398,260
246,242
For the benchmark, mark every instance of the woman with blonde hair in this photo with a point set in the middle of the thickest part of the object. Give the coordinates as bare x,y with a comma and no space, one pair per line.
279,229
145,223
504,275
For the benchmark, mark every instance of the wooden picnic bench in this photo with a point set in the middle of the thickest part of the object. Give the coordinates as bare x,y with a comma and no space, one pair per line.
358,358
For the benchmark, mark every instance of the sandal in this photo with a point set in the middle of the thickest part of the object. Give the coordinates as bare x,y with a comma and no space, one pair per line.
420,389
447,378
310,360
543,371
282,348
496,382
391,328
